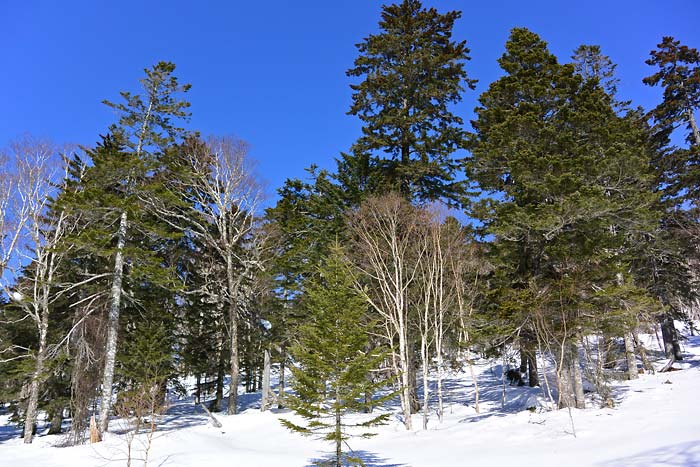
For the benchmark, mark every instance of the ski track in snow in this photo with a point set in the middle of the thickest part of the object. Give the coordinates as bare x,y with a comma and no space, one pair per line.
655,422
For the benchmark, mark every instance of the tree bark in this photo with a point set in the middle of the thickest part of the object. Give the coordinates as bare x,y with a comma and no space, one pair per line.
112,327
565,378
646,364
632,372
426,389
577,378
265,403
670,336
233,385
338,433
220,370
33,402
56,421
414,401
694,127
280,384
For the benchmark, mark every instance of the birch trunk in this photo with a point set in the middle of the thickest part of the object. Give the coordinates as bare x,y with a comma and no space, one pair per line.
265,403
233,330
112,326
405,381
33,403
426,389
632,372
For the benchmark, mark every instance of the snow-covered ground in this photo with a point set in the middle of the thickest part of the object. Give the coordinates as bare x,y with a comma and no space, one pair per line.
655,421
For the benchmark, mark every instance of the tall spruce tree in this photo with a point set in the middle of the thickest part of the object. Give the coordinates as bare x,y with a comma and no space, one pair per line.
331,359
564,180
676,244
679,76
119,182
413,71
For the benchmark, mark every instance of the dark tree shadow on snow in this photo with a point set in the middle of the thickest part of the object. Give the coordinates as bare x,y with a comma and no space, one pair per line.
370,459
676,455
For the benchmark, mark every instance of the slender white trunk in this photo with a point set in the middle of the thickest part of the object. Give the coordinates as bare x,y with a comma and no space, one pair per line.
631,360
265,403
405,379
233,329
426,389
113,326
33,402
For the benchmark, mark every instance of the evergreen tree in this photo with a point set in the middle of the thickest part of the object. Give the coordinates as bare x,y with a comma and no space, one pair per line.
120,185
331,358
679,76
301,225
572,180
413,71
668,267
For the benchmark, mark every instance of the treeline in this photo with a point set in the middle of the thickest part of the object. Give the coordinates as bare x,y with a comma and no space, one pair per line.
147,258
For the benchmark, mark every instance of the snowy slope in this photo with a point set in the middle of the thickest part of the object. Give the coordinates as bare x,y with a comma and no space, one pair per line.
656,421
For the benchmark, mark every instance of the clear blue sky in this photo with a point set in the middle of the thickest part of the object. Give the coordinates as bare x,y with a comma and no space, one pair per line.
273,73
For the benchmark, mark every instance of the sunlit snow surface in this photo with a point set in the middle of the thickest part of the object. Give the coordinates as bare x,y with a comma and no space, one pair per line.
655,421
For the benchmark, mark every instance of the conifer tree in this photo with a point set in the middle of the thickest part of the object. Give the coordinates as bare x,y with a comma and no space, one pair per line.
674,247
121,184
412,73
331,359
679,76
572,180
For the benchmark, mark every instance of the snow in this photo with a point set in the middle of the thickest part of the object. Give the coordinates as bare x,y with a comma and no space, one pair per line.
16,296
655,421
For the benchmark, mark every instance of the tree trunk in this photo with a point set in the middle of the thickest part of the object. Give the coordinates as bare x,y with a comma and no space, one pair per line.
440,376
694,127
646,364
414,401
532,376
265,403
577,378
33,402
56,421
280,384
220,370
233,387
112,327
567,396
233,284
198,390
670,336
405,368
632,372
338,433
426,389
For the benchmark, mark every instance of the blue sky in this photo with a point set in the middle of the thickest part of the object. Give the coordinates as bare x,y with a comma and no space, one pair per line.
273,73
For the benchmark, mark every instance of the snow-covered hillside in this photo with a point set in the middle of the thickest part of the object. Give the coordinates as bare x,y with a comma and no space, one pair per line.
655,421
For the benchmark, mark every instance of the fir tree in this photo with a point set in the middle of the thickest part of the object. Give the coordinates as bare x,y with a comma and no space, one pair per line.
572,180
332,362
121,184
413,71
679,76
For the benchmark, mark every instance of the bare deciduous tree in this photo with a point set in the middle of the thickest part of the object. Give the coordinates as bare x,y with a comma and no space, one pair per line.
222,199
39,230
389,256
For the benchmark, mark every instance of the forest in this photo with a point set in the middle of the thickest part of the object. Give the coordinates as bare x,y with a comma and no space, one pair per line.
552,230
